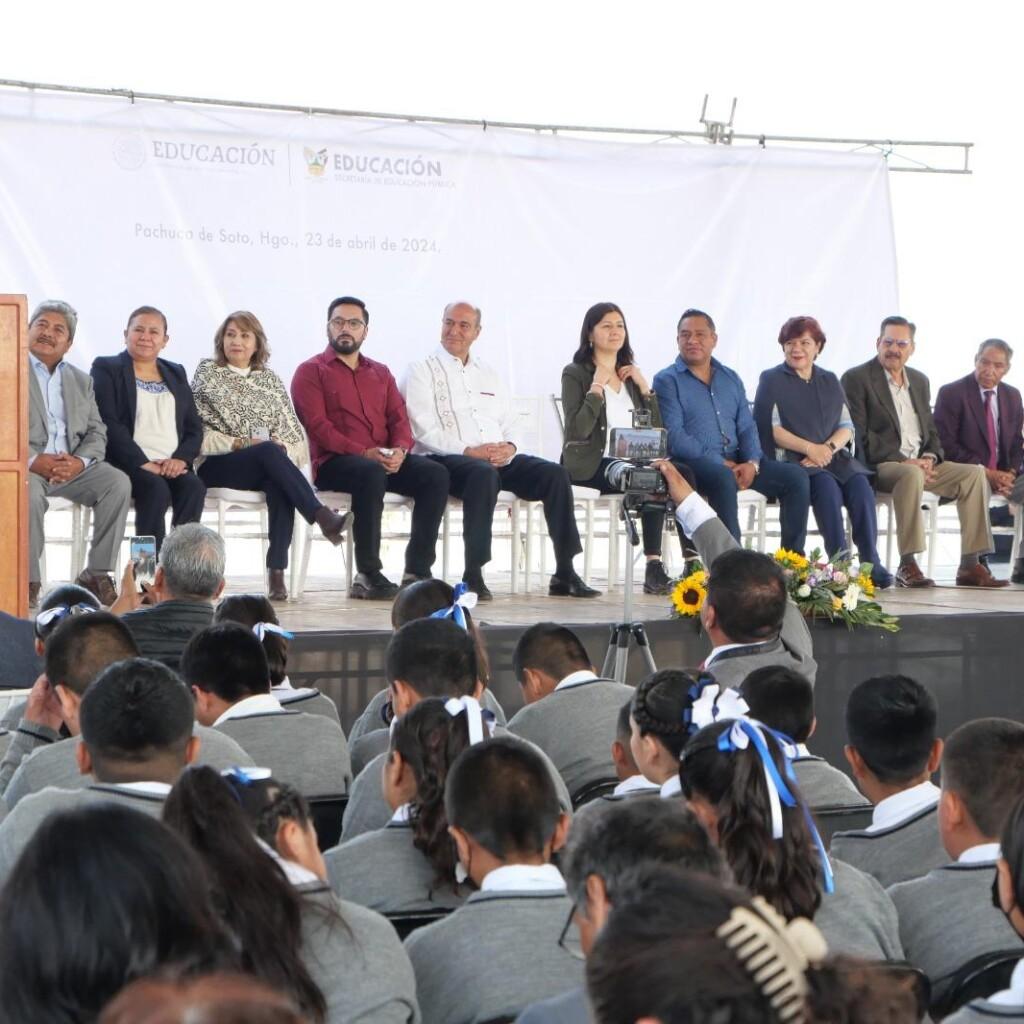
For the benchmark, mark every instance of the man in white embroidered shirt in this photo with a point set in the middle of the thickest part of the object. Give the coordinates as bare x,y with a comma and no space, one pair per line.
462,417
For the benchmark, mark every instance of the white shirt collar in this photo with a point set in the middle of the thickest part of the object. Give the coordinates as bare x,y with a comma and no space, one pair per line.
524,878
983,853
575,678
672,787
242,371
635,784
258,704
1014,995
149,788
446,357
401,814
38,364
802,751
900,806
295,873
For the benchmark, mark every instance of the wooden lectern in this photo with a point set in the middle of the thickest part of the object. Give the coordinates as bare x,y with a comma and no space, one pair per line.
14,455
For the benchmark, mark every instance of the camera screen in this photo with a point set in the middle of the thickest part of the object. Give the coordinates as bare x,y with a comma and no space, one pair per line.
639,445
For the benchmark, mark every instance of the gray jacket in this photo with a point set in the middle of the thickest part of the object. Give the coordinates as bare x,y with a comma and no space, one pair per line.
909,849
792,648
87,433
357,961
569,1008
859,919
822,785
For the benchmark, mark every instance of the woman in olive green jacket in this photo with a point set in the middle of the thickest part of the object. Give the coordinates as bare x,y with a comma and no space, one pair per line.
600,388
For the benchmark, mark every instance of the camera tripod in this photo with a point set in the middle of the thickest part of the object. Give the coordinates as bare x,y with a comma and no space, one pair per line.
627,631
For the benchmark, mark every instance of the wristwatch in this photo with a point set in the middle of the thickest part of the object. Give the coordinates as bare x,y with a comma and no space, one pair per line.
831,444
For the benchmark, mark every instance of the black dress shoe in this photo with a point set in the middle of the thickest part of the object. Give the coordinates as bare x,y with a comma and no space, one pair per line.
278,591
372,586
656,580
1017,576
570,586
475,582
409,578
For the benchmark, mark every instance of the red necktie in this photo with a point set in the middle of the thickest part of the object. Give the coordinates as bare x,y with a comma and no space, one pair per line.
990,429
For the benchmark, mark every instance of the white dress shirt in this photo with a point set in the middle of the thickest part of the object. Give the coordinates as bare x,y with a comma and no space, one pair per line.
454,405
52,387
576,678
635,784
983,853
524,878
910,424
900,806
671,787
258,704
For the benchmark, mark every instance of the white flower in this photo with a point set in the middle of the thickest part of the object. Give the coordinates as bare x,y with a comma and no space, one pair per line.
803,590
851,597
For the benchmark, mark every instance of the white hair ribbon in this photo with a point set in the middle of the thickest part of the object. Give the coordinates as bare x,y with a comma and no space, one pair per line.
717,702
463,597
261,629
474,716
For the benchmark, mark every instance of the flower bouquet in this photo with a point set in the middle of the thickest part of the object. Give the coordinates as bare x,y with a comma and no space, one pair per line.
838,591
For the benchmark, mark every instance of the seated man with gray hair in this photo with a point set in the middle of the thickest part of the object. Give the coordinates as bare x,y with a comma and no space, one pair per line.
189,579
67,444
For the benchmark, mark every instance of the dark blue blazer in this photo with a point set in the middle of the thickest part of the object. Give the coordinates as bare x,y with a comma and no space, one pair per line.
114,383
960,417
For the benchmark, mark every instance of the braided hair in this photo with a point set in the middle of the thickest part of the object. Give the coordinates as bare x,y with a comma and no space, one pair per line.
429,739
663,703
248,610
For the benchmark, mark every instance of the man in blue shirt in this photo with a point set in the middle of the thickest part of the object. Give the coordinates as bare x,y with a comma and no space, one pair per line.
710,429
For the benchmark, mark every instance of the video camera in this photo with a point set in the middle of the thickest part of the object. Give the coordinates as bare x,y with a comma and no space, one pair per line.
634,449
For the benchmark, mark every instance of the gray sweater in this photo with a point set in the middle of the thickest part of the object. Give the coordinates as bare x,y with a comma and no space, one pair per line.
859,919
20,825
382,870
793,647
947,919
307,699
307,752
575,727
368,810
56,764
569,1008
371,719
357,960
822,785
899,853
492,956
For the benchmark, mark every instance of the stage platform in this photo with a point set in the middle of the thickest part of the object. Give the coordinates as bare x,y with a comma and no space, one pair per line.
964,644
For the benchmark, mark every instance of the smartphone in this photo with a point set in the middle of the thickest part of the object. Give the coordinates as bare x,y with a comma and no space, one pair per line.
386,452
143,556
261,433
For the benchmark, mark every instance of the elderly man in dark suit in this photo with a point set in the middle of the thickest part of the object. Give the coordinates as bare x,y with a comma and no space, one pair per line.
897,438
67,443
981,421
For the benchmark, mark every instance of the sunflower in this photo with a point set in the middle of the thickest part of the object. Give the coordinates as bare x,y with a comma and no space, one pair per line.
864,582
837,604
689,593
791,560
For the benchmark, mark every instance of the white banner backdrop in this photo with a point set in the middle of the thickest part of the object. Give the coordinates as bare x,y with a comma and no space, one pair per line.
204,210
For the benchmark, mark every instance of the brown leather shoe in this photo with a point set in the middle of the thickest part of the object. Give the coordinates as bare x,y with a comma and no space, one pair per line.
910,575
278,591
33,594
101,584
978,576
332,524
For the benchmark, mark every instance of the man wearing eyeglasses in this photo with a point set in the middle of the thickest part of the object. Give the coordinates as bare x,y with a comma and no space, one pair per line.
897,438
359,440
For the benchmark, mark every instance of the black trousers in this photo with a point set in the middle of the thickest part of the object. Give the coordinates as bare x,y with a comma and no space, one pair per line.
154,495
266,467
651,523
477,484
367,481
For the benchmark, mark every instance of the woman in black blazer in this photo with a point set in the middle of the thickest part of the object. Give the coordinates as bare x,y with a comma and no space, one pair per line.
153,429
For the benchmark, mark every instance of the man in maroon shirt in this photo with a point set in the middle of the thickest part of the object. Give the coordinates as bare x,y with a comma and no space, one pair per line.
359,439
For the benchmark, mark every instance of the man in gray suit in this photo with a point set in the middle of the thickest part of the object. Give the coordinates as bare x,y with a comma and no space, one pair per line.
67,448
747,615
890,405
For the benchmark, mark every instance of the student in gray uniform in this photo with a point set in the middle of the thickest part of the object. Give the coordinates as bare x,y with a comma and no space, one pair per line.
604,847
340,962
227,669
1009,896
631,780
783,699
409,865
256,612
76,653
663,718
83,877
136,720
893,752
420,600
424,658
569,712
747,615
728,773
724,957
947,917
502,948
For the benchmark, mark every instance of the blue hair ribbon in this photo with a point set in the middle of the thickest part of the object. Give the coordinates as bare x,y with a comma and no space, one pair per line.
462,597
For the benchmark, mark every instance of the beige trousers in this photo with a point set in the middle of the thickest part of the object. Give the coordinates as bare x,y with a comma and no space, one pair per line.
967,484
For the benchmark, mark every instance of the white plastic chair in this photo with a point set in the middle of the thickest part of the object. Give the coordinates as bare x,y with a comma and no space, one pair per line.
81,522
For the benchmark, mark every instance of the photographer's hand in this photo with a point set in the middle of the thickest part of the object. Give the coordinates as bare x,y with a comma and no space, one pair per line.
678,489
